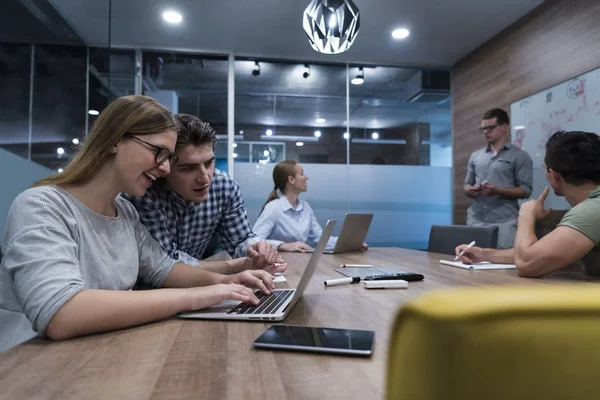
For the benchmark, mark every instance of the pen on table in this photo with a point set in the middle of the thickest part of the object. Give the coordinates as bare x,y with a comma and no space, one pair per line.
464,250
342,281
356,266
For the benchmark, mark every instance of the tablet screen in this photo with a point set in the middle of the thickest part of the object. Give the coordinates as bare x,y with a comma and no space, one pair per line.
327,340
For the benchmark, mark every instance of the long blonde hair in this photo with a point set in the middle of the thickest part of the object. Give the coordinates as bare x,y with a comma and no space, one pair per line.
139,115
281,172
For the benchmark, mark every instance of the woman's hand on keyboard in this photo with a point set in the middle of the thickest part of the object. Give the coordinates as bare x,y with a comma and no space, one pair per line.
253,278
206,296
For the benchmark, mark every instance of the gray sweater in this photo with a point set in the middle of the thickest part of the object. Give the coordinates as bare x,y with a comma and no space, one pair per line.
54,247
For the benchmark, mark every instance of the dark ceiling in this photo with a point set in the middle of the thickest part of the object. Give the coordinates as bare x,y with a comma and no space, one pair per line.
279,97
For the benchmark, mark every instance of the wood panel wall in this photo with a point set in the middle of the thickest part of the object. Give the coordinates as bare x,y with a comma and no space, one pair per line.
558,40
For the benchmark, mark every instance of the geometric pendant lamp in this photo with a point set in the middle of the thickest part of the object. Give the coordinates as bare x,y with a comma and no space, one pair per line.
331,25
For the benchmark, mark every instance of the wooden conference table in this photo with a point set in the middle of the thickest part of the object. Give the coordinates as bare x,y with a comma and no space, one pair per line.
179,359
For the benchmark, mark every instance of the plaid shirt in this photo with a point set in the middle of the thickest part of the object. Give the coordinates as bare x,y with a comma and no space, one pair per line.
184,229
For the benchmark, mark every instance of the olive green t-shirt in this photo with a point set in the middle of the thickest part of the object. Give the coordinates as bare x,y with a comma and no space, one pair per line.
585,217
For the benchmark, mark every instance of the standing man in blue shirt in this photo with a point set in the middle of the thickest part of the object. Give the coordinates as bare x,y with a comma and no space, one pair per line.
196,201
498,175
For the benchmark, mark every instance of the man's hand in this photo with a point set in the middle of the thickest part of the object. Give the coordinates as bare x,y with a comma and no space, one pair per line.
299,247
536,207
263,255
487,189
473,191
279,267
471,255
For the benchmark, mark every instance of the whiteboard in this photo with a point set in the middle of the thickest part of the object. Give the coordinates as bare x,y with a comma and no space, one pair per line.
573,105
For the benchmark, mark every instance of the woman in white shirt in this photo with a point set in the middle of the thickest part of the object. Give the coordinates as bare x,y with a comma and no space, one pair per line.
286,221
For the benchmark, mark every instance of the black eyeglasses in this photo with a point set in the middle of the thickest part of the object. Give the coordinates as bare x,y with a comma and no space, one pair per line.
162,154
488,128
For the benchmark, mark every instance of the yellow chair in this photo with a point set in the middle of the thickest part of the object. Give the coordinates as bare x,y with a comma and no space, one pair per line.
487,343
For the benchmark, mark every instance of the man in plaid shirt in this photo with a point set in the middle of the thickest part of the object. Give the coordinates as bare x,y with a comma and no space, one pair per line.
196,201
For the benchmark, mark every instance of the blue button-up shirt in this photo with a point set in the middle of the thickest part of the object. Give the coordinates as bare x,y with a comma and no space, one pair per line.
281,223
184,229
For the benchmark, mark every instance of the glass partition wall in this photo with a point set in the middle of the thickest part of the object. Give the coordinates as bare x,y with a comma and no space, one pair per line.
365,145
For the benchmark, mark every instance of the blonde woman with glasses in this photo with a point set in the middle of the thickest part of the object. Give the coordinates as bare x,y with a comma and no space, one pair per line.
73,248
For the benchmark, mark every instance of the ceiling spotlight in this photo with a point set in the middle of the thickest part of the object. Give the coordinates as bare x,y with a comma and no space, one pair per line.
306,73
321,120
172,17
266,153
93,112
346,135
331,26
256,70
269,132
360,78
234,145
60,151
299,144
235,155
75,141
241,131
60,170
400,33
317,133
375,135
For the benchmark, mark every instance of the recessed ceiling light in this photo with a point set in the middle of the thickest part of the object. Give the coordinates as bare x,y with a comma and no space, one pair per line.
172,17
400,33
321,120
75,141
60,151
360,78
269,132
234,145
241,131
375,135
346,135
299,144
93,112
317,133
60,170
235,155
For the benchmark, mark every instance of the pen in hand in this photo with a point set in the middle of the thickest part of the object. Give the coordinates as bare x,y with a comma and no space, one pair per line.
464,250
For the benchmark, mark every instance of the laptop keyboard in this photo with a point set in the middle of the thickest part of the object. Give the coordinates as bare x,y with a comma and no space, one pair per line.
269,303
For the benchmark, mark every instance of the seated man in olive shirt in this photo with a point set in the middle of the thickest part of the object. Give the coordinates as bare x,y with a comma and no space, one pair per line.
572,164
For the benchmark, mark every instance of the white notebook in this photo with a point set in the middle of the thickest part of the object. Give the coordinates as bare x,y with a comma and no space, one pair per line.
478,265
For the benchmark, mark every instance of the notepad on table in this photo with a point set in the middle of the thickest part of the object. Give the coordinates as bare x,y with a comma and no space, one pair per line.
478,265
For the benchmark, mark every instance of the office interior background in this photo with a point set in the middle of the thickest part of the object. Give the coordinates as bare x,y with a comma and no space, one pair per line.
396,145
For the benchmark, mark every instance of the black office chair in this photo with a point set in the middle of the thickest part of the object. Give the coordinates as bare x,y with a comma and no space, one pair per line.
444,238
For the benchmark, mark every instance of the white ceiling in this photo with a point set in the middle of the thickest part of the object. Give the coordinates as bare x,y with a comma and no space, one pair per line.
442,31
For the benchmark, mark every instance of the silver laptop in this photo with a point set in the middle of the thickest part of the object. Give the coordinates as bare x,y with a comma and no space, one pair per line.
352,235
273,307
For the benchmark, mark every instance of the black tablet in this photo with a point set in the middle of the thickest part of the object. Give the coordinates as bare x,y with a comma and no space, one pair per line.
321,340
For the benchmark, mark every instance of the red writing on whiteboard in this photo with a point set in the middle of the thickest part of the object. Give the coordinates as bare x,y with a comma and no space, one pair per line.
558,113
